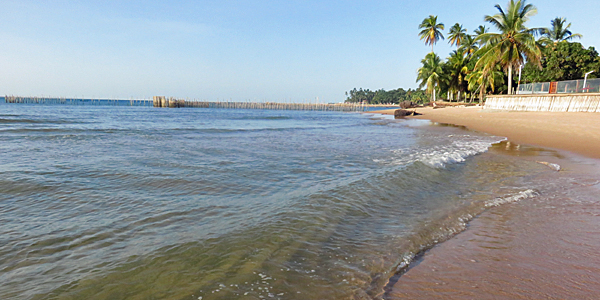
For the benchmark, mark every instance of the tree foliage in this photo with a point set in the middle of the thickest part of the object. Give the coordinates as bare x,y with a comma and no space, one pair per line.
558,32
430,74
563,61
385,97
480,30
456,35
456,72
476,67
514,44
431,31
469,46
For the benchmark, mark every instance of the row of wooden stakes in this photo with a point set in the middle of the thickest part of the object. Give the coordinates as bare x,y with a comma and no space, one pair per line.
162,101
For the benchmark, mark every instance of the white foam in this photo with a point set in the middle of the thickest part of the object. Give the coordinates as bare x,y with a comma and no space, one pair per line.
439,156
406,260
513,198
554,167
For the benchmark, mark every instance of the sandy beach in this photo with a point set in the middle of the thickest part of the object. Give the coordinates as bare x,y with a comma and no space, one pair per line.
574,132
541,248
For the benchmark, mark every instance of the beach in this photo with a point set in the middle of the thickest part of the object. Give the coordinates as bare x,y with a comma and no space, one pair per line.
539,248
576,132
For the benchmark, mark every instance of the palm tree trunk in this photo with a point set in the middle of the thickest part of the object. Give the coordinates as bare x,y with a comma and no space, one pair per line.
510,80
433,93
482,89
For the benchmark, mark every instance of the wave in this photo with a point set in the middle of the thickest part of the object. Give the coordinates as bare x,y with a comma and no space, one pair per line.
439,156
264,118
444,229
34,121
456,153
512,198
236,130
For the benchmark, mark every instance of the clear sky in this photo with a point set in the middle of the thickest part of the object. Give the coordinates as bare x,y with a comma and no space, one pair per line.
289,50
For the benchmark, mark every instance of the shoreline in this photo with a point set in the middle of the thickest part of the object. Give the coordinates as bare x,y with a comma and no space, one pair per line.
542,247
577,132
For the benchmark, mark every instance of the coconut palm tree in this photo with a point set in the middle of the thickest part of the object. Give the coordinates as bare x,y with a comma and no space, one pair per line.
480,81
558,32
456,35
430,73
480,30
431,31
514,44
457,69
468,46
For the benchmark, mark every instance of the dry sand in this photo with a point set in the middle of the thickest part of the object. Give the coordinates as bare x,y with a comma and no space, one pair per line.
577,132
542,248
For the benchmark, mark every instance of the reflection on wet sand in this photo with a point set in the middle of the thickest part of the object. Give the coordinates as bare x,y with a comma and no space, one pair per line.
542,248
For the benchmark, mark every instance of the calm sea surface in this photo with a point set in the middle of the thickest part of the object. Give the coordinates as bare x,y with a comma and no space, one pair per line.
104,202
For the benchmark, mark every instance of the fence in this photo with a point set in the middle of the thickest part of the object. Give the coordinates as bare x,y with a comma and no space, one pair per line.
161,101
561,87
585,102
76,101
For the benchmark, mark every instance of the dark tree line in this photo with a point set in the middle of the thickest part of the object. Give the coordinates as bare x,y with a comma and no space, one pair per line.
385,97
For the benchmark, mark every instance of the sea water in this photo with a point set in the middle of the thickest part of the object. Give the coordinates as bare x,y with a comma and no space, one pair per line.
104,202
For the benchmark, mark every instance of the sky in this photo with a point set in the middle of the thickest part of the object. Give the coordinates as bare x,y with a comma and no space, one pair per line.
235,50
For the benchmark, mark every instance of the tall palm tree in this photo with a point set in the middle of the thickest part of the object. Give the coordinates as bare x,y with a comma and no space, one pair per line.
456,35
468,46
431,31
480,30
558,32
430,73
457,67
514,44
480,81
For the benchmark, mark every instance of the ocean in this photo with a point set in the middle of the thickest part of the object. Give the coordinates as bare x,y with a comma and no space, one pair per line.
112,202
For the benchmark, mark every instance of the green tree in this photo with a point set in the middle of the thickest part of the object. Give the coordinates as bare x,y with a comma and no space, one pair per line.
558,32
514,44
457,72
360,96
430,73
382,96
563,61
480,30
468,46
482,82
431,31
456,35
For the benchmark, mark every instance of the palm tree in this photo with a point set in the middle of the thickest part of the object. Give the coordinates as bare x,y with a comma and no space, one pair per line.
481,81
468,46
457,34
457,67
480,30
559,32
430,73
431,31
514,44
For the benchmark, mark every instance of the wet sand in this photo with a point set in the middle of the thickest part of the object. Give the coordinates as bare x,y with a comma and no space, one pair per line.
576,132
540,248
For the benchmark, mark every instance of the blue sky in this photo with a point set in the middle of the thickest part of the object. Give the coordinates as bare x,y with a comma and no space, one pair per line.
239,50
